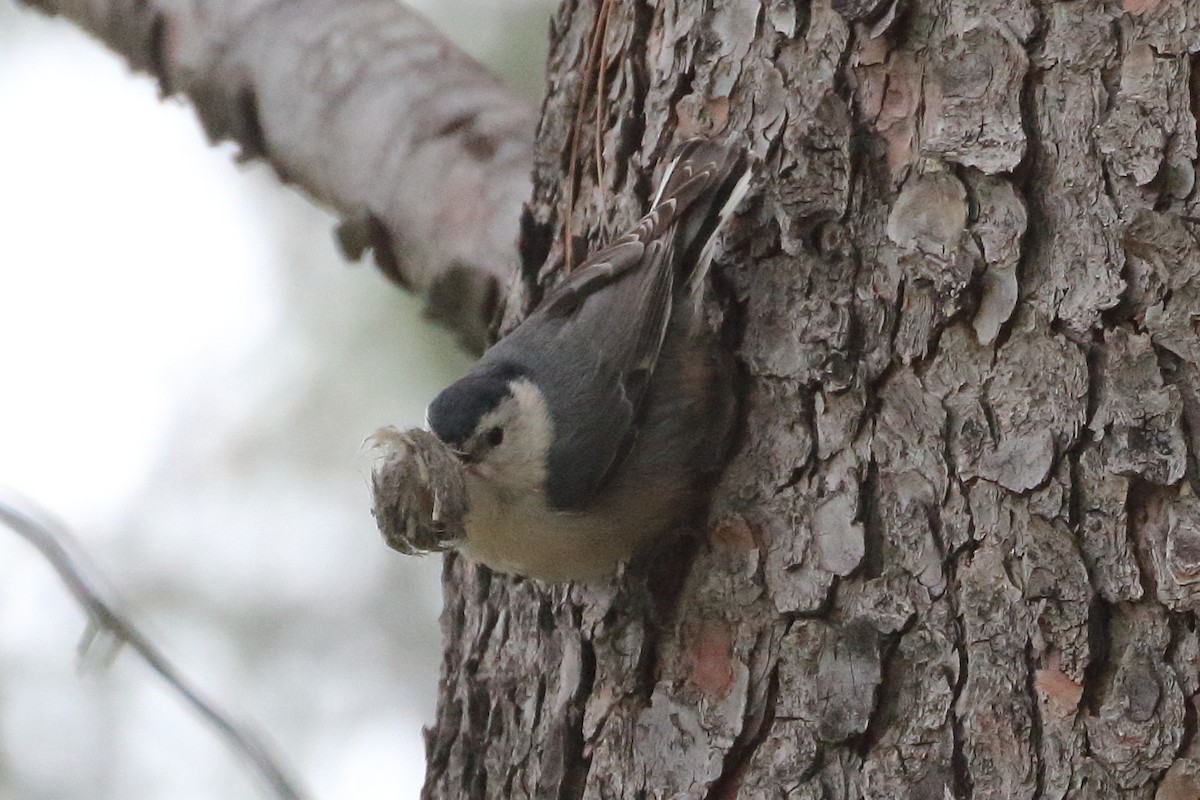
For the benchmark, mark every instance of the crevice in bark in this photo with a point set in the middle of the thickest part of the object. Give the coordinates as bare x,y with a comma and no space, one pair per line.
794,477
1178,624
1026,170
1189,724
738,756
858,151
1093,358
734,317
475,739
1075,522
487,628
1123,312
1036,736
897,318
634,129
1099,638
646,671
883,700
1110,73
682,88
803,18
958,757
874,536
535,242
252,139
1171,367
963,787
576,762
545,615
808,414
1138,496
538,703
1194,100
509,780
1110,80
1108,181
1160,184
156,60
823,611
1025,174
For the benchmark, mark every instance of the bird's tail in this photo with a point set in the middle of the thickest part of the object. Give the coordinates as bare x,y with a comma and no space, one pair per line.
700,189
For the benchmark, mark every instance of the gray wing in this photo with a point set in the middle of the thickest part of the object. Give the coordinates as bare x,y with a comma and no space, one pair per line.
596,337
698,168
596,342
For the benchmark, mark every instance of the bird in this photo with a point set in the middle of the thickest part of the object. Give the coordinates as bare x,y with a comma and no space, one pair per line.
593,426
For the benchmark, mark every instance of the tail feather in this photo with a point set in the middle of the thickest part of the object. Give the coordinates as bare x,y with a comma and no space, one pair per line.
700,190
736,193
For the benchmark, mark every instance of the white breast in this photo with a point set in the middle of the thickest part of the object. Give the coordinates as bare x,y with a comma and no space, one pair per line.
519,534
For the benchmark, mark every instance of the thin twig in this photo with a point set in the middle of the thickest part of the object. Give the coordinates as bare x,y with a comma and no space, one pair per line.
590,79
603,45
52,539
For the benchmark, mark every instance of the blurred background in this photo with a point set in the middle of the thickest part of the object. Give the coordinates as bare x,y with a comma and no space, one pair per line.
187,374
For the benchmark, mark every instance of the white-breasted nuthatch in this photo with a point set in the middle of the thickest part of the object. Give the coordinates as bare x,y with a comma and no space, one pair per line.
590,427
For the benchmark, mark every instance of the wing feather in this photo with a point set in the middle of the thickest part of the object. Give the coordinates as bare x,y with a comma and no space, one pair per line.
597,336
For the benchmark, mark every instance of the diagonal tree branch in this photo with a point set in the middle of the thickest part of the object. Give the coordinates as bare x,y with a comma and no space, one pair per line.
423,153
51,538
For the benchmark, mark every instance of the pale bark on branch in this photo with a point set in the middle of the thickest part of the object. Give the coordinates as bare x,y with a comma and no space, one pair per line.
363,104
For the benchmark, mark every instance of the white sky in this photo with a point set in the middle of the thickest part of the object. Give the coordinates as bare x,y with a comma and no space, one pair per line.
186,373
128,265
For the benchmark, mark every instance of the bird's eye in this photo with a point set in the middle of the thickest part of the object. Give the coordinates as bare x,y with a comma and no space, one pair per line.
495,436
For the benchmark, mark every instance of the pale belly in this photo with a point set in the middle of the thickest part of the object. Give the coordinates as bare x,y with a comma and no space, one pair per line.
519,534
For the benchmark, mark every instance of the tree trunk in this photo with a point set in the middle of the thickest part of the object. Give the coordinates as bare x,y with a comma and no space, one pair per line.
956,553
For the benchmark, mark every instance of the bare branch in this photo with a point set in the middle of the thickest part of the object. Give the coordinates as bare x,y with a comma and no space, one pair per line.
362,103
56,544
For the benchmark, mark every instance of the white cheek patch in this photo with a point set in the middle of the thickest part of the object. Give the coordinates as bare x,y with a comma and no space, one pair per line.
536,429
519,462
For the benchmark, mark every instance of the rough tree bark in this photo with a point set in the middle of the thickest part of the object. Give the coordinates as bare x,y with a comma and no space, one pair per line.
957,553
